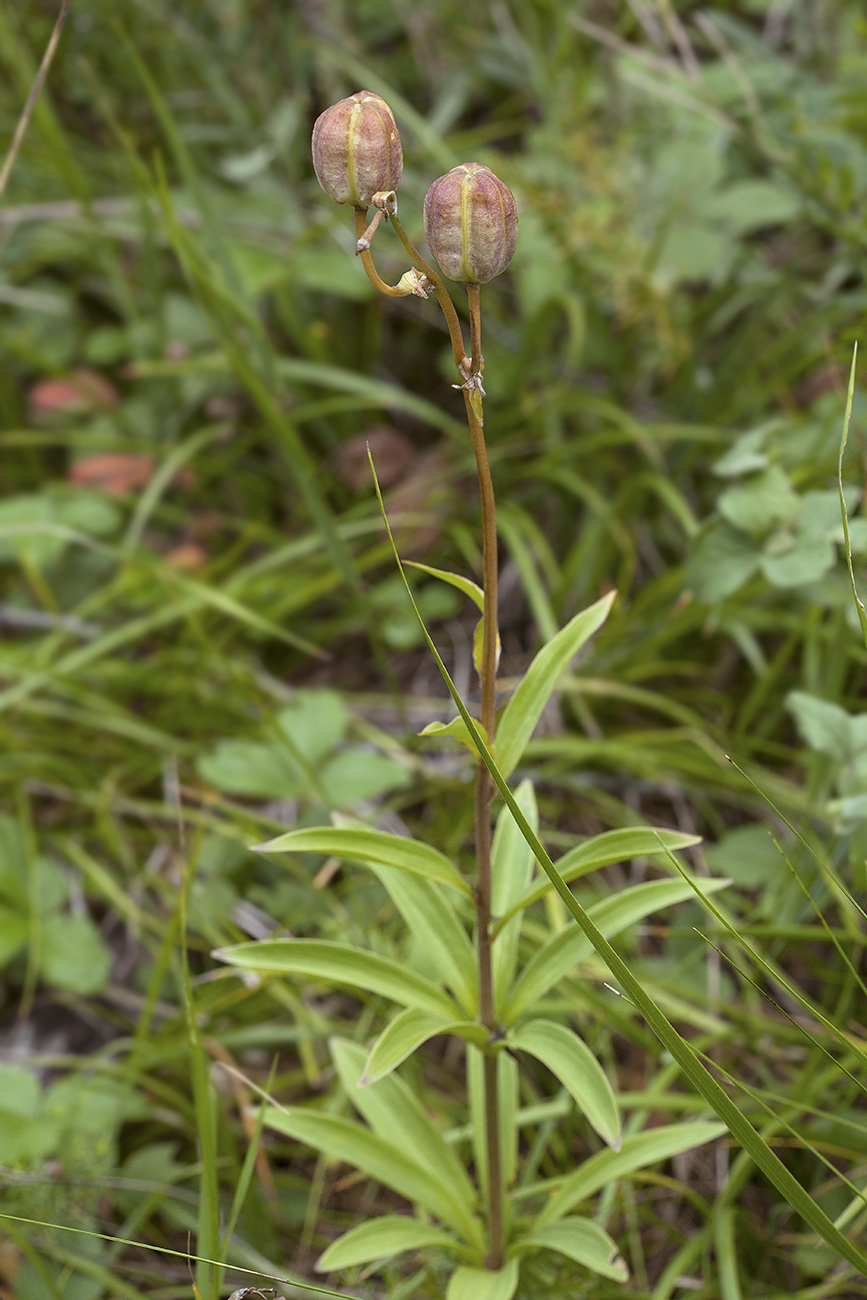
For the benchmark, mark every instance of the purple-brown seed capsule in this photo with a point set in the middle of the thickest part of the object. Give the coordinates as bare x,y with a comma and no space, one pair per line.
471,223
356,149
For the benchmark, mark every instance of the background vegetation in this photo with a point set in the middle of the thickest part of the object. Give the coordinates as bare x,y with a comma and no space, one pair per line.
204,640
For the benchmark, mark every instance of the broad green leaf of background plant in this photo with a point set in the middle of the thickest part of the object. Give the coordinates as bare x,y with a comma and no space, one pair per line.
581,1240
524,709
394,1112
388,1162
560,954
407,1031
828,728
71,952
636,1152
302,760
340,963
484,1284
602,851
720,562
571,1060
760,502
38,529
383,1238
511,873
358,845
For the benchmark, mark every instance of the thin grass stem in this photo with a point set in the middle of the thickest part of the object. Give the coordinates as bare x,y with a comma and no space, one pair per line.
27,112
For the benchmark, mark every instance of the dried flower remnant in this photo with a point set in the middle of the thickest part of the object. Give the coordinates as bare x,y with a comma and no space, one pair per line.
356,149
471,223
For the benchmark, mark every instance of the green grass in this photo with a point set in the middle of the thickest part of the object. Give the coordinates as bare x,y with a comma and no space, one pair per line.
196,664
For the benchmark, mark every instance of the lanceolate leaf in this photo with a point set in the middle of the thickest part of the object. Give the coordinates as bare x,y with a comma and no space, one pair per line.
382,1238
576,1067
437,931
601,851
456,729
387,1162
340,963
581,1240
483,1283
637,1151
557,957
395,1114
524,709
466,585
362,845
507,1080
409,1030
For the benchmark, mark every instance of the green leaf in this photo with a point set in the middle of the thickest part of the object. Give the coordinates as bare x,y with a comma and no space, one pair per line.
637,1151
340,963
507,1082
469,588
357,845
251,769
483,1283
394,1113
73,955
17,869
479,646
388,1162
407,1031
565,1055
381,1239
581,1240
557,957
309,729
522,712
436,929
746,453
722,560
750,204
456,728
748,856
793,560
601,851
14,933
357,775
511,872
19,1093
823,726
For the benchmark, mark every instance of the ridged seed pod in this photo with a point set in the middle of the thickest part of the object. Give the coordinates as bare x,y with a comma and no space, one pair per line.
471,223
356,149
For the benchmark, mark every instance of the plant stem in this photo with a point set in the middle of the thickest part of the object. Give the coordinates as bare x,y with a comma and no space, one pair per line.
442,297
484,786
469,369
367,261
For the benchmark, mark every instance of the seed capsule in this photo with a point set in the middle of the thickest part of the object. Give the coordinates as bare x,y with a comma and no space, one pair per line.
471,223
356,149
